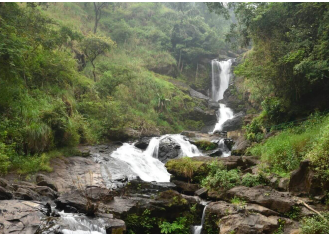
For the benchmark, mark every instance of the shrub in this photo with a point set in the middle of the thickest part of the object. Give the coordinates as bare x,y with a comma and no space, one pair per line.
250,180
179,226
219,177
315,224
284,151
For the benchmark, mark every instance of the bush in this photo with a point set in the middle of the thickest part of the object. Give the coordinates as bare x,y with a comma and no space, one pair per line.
220,177
284,151
315,224
250,180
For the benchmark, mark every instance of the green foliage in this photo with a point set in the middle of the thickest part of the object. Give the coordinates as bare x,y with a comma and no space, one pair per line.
294,212
220,177
254,130
315,224
137,222
287,69
179,226
284,151
250,180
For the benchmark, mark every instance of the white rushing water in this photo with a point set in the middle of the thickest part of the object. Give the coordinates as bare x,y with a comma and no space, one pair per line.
198,229
146,164
77,224
221,72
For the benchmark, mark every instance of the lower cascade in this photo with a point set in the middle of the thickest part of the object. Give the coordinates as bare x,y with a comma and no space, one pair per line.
198,229
146,164
77,224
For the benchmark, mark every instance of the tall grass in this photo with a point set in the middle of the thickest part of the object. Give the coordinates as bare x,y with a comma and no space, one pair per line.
283,152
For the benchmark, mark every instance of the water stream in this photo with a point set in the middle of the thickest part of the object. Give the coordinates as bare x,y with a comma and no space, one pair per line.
79,224
221,72
145,164
198,229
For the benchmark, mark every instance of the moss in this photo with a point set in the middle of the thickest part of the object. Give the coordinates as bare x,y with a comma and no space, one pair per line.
206,145
187,169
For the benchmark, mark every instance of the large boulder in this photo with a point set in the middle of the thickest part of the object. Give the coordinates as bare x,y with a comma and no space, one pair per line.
207,116
196,94
235,123
240,146
84,200
304,181
143,143
168,149
216,211
185,188
43,180
231,100
265,196
21,217
5,194
248,224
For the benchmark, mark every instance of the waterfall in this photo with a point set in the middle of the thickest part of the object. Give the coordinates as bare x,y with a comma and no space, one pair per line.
146,164
77,224
147,167
221,71
198,229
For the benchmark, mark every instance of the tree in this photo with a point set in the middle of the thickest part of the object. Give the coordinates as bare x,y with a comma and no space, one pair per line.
98,6
94,46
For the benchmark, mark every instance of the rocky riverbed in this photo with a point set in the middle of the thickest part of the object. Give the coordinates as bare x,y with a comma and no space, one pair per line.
97,193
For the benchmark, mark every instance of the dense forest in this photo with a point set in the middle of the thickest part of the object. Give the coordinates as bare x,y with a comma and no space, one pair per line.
85,73
124,93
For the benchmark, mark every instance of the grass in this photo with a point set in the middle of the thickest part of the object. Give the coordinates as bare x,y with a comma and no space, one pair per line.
283,152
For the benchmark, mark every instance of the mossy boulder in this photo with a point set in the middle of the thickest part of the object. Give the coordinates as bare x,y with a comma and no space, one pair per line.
206,145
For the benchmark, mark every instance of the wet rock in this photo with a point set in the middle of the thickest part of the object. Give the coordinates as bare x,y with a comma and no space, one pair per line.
248,224
146,188
4,183
207,116
240,146
251,161
26,221
254,208
186,188
84,151
283,184
216,194
196,94
215,153
74,199
303,181
43,180
5,194
168,149
26,194
201,192
235,123
143,143
115,226
229,143
265,196
84,200
213,105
